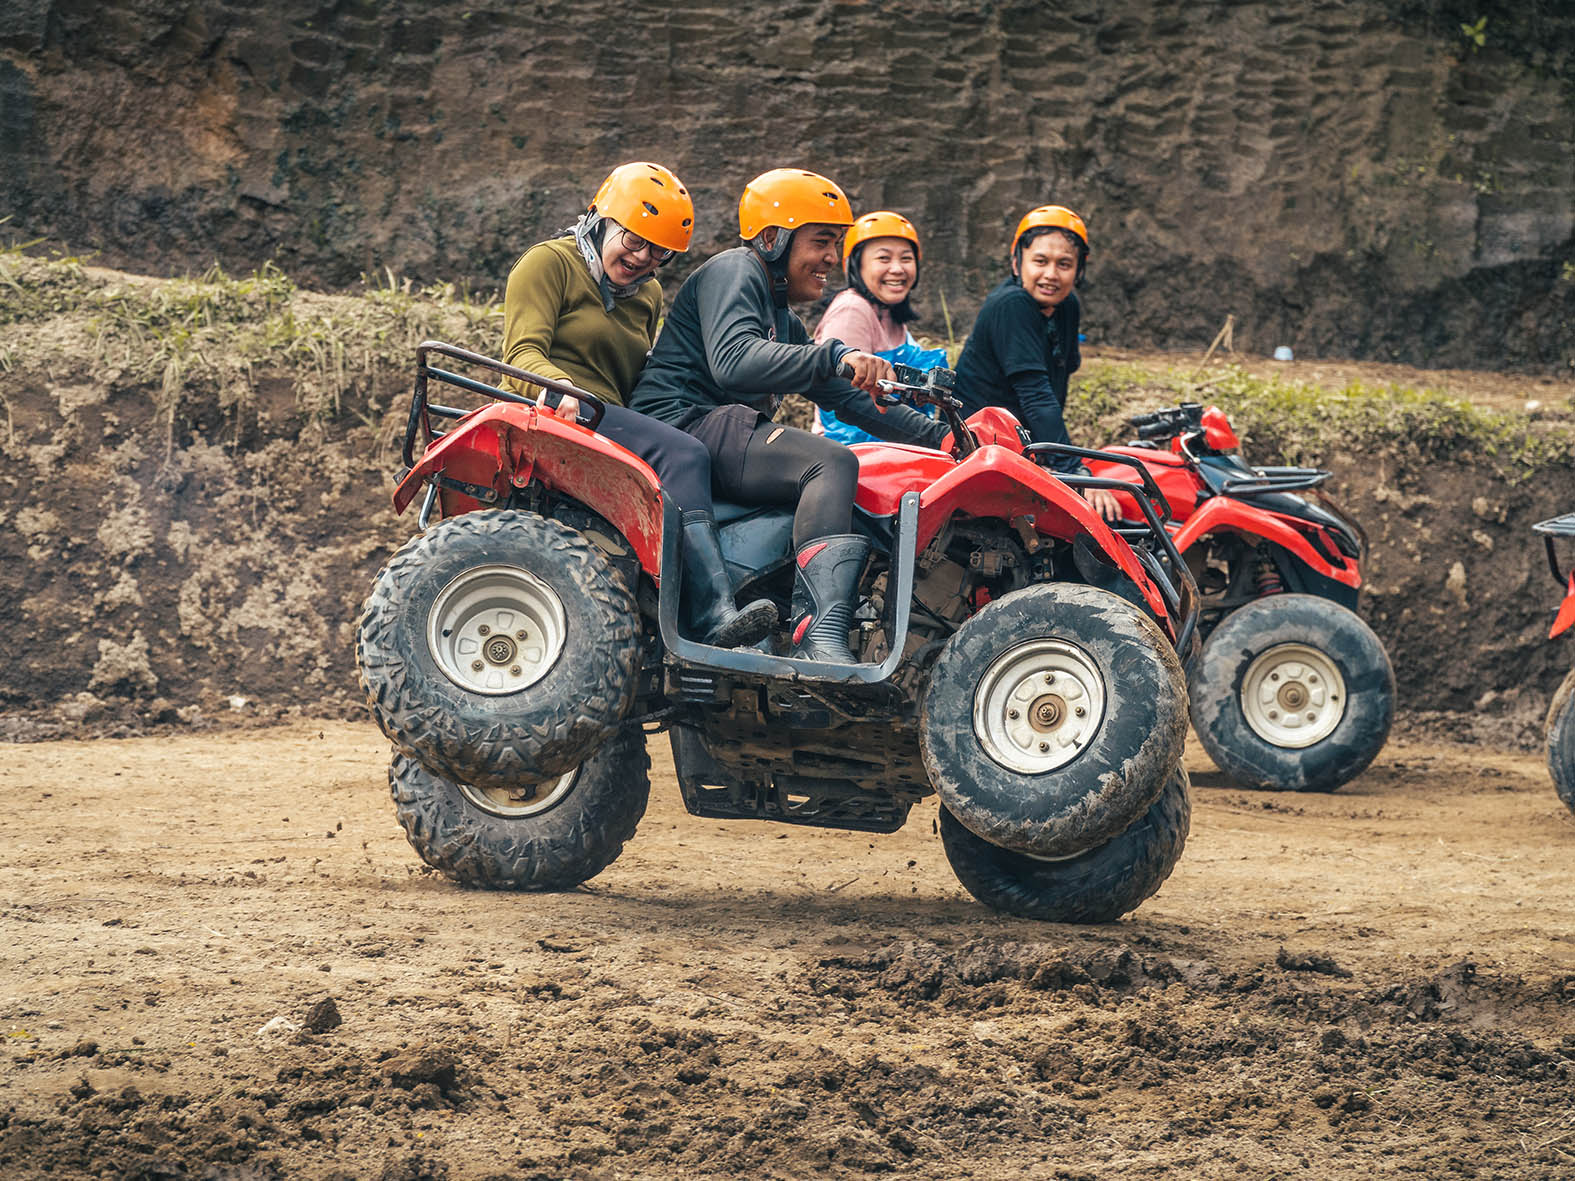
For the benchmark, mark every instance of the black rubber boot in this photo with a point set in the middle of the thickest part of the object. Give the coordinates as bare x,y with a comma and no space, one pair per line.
823,588
710,613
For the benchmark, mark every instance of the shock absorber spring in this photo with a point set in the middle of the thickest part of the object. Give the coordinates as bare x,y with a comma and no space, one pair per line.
1266,578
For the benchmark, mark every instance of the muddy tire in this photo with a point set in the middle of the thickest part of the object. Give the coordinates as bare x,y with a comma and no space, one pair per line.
499,648
1098,886
552,836
1561,741
1293,693
1052,719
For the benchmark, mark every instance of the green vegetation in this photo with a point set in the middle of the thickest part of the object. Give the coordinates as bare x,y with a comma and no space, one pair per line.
1300,422
217,334
194,343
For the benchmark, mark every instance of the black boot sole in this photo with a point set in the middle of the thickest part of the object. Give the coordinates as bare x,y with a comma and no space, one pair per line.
753,623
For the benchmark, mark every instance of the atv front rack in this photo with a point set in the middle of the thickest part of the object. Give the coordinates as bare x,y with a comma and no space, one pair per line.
1182,602
1550,529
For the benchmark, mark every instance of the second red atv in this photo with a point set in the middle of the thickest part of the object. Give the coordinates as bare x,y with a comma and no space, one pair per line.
1017,657
1561,714
1293,691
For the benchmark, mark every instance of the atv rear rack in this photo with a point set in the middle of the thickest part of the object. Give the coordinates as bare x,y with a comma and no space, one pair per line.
1551,529
423,411
1274,479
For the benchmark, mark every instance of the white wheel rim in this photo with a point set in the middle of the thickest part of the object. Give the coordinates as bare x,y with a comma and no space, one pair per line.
515,803
496,630
1293,696
1038,705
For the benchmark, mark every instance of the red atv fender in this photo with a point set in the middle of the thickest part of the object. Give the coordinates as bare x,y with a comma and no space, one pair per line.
993,482
507,445
1171,472
1222,514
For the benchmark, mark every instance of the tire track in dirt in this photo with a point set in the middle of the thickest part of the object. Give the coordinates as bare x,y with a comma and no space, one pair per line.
1377,980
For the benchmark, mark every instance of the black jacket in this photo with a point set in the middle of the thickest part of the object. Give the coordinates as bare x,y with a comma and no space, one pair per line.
1019,358
726,342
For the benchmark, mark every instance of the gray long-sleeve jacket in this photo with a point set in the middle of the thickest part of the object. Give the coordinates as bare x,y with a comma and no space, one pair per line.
725,341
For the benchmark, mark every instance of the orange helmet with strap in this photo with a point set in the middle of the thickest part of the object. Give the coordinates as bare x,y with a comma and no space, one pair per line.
790,198
882,224
648,200
1055,216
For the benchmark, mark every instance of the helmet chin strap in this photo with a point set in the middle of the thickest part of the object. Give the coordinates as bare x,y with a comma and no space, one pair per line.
775,258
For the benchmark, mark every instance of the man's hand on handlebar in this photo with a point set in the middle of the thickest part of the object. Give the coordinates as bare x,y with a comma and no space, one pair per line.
1104,502
866,371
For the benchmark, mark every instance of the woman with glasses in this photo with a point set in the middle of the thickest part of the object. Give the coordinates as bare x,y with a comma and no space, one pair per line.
583,308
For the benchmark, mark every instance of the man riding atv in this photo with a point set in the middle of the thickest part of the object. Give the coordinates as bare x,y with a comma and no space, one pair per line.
732,346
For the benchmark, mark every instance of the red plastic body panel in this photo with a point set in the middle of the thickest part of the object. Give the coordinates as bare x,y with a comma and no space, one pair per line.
1218,434
995,482
506,445
1565,619
998,426
1219,514
1171,472
887,470
1222,514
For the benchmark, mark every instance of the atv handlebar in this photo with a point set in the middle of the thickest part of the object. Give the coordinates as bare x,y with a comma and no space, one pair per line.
1171,421
926,387
422,411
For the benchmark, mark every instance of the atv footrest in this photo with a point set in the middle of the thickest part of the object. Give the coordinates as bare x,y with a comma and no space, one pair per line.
821,799
819,803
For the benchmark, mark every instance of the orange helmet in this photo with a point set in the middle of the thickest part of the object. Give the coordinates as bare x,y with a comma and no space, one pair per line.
648,200
1058,216
884,224
790,198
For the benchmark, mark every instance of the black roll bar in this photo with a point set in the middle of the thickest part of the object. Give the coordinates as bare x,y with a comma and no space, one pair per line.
422,411
1550,529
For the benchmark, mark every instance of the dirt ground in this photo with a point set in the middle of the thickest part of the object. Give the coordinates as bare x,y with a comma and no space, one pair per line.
1376,982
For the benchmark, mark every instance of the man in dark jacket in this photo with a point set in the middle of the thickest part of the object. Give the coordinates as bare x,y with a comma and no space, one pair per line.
731,347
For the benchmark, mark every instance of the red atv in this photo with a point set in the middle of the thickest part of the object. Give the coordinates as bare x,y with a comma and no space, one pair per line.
1293,691
1016,656
1561,714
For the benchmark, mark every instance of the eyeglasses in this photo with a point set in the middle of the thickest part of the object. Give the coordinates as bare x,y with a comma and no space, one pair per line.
633,243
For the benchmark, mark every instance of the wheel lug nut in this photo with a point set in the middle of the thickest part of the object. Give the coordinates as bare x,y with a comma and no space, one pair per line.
1274,714
1013,714
484,630
520,635
1274,676
1049,678
515,671
476,665
1080,711
1312,717
1044,746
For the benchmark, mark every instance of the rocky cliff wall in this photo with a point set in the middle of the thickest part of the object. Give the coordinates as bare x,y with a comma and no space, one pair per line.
1355,178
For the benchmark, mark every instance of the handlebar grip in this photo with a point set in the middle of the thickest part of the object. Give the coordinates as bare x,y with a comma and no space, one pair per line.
1155,430
591,412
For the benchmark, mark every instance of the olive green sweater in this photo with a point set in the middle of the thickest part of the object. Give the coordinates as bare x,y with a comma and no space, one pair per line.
554,323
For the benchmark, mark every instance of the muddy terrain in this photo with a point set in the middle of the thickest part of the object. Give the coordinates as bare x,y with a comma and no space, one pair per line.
221,959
